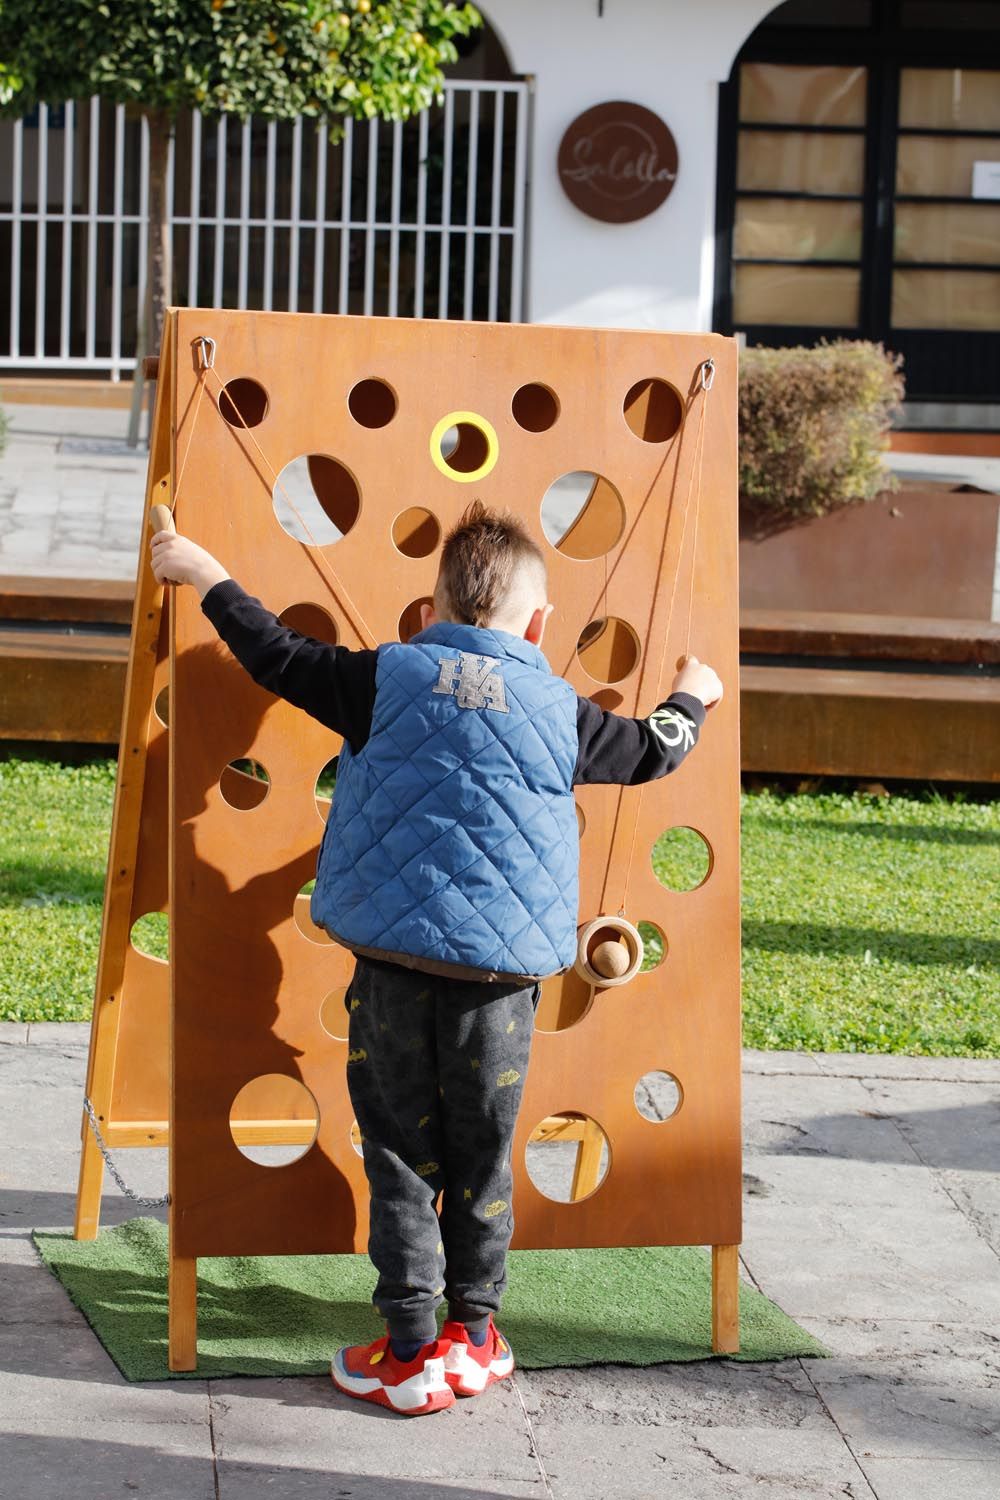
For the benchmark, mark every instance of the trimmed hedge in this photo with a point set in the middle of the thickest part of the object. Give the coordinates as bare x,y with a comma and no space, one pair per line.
814,425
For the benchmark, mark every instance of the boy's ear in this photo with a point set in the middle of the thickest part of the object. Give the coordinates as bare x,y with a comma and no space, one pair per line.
536,625
428,616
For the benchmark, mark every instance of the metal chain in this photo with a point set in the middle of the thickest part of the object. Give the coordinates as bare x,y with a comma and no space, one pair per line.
142,1202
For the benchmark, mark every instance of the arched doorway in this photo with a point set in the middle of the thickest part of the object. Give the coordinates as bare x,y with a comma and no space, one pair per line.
859,185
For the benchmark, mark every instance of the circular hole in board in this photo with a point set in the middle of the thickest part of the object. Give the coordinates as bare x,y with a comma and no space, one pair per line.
566,998
464,446
564,1143
333,1014
581,820
244,784
355,1138
150,935
608,649
654,946
658,1095
304,921
583,515
161,706
274,1120
326,781
682,859
243,402
653,410
372,403
415,532
409,620
535,407
312,620
316,499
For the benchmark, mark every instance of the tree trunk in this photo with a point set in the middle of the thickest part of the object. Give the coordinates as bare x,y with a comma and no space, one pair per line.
159,266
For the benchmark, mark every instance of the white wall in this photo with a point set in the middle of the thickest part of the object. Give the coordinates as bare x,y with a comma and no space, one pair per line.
669,55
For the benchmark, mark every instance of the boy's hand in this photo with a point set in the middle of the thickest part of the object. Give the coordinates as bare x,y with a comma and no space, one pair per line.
699,680
176,559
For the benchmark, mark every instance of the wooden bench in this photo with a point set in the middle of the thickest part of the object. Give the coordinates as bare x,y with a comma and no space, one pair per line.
822,693
870,696
63,652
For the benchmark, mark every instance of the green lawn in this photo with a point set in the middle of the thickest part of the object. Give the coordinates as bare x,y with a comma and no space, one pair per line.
869,923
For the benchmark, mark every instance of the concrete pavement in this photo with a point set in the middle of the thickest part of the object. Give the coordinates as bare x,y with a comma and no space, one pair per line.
872,1217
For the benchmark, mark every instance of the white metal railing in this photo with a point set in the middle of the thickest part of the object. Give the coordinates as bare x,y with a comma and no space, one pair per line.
423,219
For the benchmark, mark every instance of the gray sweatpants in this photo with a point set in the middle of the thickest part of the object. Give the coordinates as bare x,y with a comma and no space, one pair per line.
435,1070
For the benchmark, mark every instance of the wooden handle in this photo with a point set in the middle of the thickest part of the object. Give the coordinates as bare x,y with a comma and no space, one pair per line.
160,519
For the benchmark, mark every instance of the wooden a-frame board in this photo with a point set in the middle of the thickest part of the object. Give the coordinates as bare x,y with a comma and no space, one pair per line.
252,991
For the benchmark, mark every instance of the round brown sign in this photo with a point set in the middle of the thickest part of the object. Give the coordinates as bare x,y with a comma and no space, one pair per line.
618,162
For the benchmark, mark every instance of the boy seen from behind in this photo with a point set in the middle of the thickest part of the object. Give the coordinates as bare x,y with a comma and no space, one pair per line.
449,867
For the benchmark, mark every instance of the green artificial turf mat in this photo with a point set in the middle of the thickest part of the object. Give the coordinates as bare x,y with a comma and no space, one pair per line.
285,1315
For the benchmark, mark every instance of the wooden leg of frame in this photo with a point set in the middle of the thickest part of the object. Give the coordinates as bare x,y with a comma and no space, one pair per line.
587,1171
182,1299
89,1185
726,1299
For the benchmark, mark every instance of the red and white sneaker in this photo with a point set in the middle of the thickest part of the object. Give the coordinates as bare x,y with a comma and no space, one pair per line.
470,1368
371,1372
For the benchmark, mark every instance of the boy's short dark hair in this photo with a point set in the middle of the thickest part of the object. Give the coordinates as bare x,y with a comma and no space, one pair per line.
479,562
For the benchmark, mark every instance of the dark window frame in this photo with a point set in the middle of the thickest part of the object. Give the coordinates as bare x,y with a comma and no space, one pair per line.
885,48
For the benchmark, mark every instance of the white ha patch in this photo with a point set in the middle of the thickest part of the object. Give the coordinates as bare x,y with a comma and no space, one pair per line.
475,681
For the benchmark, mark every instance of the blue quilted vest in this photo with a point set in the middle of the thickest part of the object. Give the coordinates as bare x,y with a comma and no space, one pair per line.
452,842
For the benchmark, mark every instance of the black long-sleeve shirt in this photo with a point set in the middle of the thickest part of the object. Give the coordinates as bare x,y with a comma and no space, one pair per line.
336,686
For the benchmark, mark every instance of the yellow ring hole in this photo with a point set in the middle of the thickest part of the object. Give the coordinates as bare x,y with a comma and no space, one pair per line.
476,451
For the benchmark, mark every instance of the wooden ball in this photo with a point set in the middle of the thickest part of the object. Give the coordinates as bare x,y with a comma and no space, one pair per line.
610,959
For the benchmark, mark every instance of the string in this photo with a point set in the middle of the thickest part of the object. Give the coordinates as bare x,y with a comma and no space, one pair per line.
190,445
694,539
694,483
337,588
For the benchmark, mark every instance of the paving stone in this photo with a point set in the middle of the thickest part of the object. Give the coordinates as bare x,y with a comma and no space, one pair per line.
30,1294
61,1362
485,1439
263,1482
889,1414
784,1177
889,1065
22,543
700,1463
51,1111
46,503
47,1067
935,1479
946,1124
25,1208
13,1033
65,1034
704,1392
977,1195
871,1258
955,1354
118,1461
755,1061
